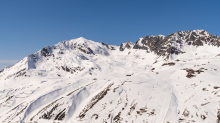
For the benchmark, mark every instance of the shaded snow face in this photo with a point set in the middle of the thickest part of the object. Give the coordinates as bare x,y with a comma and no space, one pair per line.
156,80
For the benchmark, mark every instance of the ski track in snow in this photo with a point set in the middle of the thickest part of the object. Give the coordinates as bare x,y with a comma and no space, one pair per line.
165,103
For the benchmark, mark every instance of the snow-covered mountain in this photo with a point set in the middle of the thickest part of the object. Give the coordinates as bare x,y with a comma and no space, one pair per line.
159,79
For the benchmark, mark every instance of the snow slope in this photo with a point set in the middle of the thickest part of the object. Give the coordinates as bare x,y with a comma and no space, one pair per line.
156,80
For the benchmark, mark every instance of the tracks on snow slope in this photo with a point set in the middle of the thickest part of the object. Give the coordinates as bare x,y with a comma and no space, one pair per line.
167,106
30,114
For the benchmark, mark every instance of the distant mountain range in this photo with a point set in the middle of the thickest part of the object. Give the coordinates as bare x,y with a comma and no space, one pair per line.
158,79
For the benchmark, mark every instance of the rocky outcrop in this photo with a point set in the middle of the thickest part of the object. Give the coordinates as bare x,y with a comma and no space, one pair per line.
108,46
128,45
173,43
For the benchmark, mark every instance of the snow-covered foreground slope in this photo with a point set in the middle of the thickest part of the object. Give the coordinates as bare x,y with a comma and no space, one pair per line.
81,81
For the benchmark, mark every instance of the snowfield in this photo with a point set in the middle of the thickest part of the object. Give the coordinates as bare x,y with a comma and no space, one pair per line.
157,80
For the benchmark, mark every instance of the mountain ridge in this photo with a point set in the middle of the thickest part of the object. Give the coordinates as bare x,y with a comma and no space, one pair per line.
148,42
158,79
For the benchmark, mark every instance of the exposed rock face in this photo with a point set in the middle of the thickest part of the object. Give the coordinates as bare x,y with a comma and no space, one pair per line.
174,43
140,45
108,46
128,45
46,51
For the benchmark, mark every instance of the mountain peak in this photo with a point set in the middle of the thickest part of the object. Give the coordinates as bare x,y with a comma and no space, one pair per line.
176,43
157,79
81,38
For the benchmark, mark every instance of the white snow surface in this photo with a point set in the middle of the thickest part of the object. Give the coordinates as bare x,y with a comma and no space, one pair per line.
82,81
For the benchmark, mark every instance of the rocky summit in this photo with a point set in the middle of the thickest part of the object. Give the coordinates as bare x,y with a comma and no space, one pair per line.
158,79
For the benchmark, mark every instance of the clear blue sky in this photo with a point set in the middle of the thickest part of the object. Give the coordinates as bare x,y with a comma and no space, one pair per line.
27,26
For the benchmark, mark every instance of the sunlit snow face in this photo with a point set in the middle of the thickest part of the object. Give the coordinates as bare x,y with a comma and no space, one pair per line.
90,82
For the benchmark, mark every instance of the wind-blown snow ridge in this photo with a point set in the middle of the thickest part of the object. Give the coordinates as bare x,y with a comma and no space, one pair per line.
158,79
